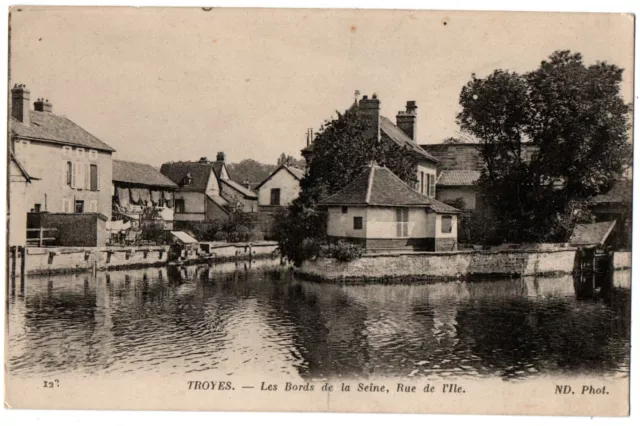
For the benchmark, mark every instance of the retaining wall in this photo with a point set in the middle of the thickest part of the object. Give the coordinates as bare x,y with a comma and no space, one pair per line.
50,260
441,266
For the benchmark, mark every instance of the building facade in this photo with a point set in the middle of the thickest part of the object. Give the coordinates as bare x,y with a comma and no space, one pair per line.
280,188
238,195
382,213
19,181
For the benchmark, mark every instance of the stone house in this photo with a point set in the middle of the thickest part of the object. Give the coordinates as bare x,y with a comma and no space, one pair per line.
72,195
239,196
403,133
381,212
198,196
280,188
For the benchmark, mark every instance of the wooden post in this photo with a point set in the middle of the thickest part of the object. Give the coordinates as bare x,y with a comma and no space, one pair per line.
23,260
13,252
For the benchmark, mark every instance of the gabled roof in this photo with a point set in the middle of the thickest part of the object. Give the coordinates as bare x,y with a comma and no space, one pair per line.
462,156
378,186
141,174
21,168
199,173
246,192
48,127
458,178
294,171
394,133
620,192
217,168
591,233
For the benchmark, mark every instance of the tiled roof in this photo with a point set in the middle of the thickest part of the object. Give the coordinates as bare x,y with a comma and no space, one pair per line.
218,200
54,128
241,189
199,172
138,173
591,233
456,156
296,172
458,178
378,186
400,138
24,172
620,192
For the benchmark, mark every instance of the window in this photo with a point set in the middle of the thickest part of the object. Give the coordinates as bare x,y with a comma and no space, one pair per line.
357,222
80,152
79,206
275,196
66,205
402,222
93,154
179,206
345,209
94,178
68,151
447,224
69,172
422,182
431,181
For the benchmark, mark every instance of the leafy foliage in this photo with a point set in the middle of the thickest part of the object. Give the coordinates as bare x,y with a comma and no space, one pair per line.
342,251
550,139
250,171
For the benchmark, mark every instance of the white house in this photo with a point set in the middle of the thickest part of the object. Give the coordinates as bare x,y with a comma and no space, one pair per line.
19,181
280,188
381,212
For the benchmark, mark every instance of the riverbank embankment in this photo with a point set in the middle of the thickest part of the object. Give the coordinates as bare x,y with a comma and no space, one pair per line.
544,260
57,260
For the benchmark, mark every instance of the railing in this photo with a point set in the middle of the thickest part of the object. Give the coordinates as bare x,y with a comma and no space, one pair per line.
41,240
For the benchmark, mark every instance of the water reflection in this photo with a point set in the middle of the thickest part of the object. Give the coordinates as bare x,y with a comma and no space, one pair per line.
240,318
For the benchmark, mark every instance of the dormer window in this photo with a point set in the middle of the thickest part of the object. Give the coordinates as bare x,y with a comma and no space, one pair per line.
186,181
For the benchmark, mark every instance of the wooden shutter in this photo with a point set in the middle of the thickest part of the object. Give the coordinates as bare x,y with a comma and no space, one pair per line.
405,222
87,176
65,174
74,171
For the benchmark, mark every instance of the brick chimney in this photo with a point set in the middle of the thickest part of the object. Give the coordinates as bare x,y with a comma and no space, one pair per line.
369,109
42,105
407,120
221,157
20,103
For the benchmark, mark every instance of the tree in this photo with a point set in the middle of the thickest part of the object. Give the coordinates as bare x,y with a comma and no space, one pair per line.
550,139
341,150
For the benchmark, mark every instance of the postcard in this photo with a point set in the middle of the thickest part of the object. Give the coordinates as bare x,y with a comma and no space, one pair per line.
387,211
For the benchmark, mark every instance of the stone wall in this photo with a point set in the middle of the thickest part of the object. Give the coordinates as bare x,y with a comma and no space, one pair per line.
442,265
50,260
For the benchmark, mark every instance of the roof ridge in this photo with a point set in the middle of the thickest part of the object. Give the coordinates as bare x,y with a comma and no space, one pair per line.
372,172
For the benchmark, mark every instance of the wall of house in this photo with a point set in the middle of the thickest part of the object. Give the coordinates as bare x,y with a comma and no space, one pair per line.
341,224
48,162
194,206
425,167
17,206
443,265
289,188
381,223
448,193
214,211
234,197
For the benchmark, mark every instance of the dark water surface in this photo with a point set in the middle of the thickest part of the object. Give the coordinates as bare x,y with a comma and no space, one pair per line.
233,320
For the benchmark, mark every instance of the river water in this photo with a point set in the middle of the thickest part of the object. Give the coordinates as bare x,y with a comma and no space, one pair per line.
243,318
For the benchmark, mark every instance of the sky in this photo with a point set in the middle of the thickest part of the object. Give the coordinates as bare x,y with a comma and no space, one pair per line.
175,84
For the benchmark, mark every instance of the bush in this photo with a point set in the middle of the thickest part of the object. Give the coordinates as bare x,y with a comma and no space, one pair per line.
342,251
300,232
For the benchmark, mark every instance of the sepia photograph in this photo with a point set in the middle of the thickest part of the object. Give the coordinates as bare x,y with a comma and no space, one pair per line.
336,210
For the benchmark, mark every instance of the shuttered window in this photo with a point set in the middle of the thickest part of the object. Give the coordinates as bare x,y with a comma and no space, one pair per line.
402,222
94,178
357,222
431,180
66,205
447,224
275,196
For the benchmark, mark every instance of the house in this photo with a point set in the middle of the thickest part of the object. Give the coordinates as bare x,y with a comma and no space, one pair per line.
402,133
198,196
138,186
381,212
616,204
19,181
239,196
280,188
73,165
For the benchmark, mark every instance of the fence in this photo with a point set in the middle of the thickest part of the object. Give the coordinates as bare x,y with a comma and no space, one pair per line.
40,240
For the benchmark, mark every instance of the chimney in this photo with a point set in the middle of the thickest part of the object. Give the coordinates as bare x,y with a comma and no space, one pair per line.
221,157
247,184
407,120
203,160
369,109
42,105
20,103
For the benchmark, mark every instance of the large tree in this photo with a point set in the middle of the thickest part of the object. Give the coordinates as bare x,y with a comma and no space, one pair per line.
550,139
